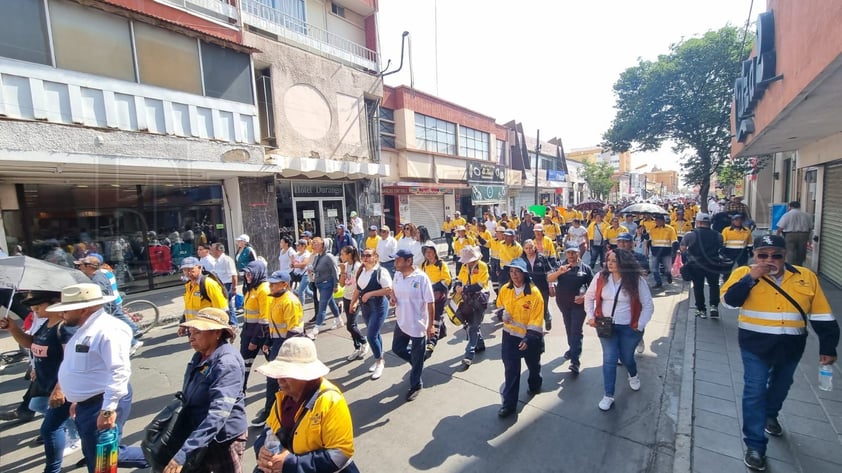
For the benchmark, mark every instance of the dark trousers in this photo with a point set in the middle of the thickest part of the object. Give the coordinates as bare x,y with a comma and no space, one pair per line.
597,254
574,319
796,247
411,350
252,334
699,278
353,328
740,258
511,356
232,310
448,237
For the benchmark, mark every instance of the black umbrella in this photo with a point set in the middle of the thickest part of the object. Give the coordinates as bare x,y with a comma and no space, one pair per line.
23,273
590,204
644,208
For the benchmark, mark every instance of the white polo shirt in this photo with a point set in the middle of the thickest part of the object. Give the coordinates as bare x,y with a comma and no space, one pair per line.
387,247
225,269
413,293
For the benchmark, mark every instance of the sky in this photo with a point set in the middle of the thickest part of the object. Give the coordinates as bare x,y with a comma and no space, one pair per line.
550,64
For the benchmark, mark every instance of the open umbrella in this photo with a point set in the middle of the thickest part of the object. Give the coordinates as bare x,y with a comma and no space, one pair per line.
23,273
644,208
590,204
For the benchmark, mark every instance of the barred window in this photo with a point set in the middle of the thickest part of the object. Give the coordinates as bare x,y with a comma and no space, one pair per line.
432,134
473,143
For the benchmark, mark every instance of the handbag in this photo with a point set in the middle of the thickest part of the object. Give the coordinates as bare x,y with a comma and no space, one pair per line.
605,325
165,435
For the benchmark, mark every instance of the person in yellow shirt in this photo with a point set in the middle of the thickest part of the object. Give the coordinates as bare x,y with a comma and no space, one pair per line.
473,286
460,241
439,275
597,240
200,291
508,251
309,415
515,222
447,229
458,220
736,241
286,322
662,242
612,231
523,336
543,244
493,245
373,238
483,235
552,228
681,226
648,223
256,306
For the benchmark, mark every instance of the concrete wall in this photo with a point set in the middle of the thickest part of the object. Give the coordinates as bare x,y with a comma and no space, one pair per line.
259,210
318,103
820,152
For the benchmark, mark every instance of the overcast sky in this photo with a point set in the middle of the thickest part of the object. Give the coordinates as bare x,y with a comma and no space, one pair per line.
550,64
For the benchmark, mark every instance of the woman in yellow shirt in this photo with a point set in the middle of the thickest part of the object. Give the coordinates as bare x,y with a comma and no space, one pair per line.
472,284
439,275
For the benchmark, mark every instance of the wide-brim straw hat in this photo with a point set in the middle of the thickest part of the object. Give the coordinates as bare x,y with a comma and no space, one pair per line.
79,296
296,360
469,254
210,318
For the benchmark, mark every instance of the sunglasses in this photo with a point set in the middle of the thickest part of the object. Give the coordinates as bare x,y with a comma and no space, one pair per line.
367,255
766,256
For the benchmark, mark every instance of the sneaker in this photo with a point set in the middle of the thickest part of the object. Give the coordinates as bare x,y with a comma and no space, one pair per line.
313,333
23,416
467,362
338,323
634,383
533,392
574,367
505,412
669,278
606,403
413,393
378,369
640,347
754,460
137,346
714,313
773,427
259,420
700,313
72,447
356,354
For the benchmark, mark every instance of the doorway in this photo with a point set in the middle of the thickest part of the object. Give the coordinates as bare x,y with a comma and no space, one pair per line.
318,216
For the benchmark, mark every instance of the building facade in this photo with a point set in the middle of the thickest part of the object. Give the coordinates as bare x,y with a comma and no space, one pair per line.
787,117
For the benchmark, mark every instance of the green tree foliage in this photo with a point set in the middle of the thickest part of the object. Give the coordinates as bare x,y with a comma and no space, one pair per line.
685,97
598,176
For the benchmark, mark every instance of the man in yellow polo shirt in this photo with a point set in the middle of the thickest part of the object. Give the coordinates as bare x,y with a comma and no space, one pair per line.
200,291
373,239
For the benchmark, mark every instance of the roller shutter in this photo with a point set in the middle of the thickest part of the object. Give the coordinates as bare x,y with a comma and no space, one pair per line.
427,210
525,199
830,253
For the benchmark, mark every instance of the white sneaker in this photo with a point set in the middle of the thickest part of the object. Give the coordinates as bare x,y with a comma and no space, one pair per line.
137,346
72,447
634,383
313,332
640,347
337,323
606,403
356,354
365,351
379,365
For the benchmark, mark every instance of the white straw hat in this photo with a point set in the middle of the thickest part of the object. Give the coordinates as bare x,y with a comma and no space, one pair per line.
79,296
297,360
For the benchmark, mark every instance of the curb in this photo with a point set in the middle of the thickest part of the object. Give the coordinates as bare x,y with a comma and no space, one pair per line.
682,461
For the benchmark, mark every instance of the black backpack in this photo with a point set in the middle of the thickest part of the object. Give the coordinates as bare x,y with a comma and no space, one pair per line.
204,291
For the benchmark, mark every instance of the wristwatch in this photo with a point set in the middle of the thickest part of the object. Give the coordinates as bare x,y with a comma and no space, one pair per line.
105,413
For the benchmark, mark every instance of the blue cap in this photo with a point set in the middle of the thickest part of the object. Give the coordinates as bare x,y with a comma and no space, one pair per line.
626,236
97,256
190,262
307,234
509,232
736,216
340,227
279,276
573,247
403,254
518,263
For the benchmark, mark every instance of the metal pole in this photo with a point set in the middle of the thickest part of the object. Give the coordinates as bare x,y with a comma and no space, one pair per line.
537,162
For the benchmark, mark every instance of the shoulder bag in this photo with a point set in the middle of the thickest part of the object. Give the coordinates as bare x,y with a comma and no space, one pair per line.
605,325
165,435
788,297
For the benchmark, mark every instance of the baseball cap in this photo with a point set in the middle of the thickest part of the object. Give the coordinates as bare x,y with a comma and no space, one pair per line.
372,228
402,253
279,276
770,241
340,227
626,236
571,248
385,228
301,242
307,234
518,263
702,217
538,228
736,216
243,237
190,262
509,232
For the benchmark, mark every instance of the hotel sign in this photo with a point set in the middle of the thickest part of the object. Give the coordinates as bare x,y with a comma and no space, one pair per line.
757,73
486,173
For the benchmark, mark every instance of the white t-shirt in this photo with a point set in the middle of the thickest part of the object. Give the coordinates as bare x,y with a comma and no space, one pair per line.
357,225
285,259
413,293
350,274
225,269
387,247
491,226
299,258
577,235
365,277
412,245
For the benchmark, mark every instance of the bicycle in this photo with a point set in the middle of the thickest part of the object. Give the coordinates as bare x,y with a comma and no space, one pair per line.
143,313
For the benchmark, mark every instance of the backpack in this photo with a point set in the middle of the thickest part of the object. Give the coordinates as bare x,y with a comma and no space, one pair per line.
204,291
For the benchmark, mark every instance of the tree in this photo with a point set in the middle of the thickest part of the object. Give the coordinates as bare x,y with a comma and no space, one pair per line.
598,176
685,97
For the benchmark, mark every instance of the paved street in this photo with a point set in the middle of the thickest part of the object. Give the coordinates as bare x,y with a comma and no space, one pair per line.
453,426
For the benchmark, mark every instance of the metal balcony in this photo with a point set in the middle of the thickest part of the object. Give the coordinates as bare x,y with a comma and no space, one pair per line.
301,34
222,11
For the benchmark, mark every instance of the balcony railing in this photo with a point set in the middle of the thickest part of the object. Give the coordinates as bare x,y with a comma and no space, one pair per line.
224,11
299,33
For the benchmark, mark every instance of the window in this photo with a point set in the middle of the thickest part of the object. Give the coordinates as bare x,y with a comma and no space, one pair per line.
87,40
387,128
167,59
432,134
226,74
501,152
473,143
23,32
337,10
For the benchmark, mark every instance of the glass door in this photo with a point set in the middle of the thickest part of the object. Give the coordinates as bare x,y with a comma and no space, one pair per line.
334,214
308,217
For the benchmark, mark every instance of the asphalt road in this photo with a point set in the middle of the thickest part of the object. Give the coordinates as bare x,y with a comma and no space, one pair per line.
452,426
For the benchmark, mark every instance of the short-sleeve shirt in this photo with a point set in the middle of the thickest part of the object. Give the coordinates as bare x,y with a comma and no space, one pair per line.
413,293
48,353
385,279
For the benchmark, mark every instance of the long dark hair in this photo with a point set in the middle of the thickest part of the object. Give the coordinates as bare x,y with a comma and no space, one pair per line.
630,271
423,234
355,254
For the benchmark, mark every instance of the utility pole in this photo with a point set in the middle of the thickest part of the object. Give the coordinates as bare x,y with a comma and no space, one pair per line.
537,163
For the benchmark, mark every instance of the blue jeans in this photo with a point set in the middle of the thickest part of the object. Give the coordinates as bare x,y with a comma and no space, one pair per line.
511,356
56,420
654,267
374,314
232,313
325,289
303,288
389,266
766,387
410,349
597,254
475,341
621,347
86,415
359,237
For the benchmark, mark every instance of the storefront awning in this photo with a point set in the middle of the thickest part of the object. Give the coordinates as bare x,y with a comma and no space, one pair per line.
315,168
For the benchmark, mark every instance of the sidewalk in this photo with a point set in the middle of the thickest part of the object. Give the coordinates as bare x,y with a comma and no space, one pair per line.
812,419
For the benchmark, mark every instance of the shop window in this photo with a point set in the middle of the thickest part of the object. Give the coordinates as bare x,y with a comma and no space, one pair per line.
226,74
167,59
87,40
23,31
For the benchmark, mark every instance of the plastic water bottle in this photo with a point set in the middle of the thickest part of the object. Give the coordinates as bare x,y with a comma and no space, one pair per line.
107,445
583,289
272,443
826,377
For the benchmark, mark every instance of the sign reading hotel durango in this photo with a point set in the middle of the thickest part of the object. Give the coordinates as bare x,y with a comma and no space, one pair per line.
757,73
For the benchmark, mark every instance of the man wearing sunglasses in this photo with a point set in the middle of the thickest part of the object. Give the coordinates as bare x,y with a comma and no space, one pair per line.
776,299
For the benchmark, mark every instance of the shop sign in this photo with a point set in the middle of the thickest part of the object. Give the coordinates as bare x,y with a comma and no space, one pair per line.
416,190
315,189
556,175
486,172
486,194
757,73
